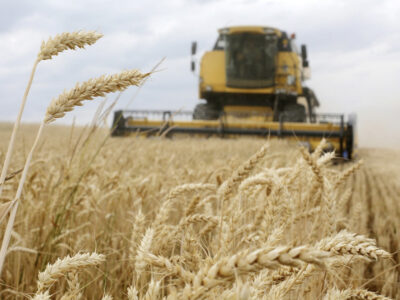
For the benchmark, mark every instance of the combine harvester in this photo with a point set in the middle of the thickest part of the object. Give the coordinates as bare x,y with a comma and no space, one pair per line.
252,84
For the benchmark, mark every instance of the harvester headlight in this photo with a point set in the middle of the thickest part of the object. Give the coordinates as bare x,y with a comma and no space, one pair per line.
208,88
291,80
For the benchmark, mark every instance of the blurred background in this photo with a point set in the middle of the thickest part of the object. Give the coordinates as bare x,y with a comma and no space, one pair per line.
353,49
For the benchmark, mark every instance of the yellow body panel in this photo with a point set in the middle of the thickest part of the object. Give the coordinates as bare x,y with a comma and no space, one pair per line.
288,65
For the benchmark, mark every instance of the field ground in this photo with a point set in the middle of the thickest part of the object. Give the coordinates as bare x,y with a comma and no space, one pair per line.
88,192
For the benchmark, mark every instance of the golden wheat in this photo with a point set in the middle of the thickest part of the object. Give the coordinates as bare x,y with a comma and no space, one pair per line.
115,212
192,218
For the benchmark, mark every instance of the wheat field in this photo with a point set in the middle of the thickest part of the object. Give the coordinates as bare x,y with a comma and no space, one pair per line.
135,218
87,216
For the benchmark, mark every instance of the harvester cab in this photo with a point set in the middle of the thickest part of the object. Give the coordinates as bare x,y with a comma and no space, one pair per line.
250,83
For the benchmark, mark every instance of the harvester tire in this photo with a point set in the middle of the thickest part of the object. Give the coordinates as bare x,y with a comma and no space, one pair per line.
294,113
205,111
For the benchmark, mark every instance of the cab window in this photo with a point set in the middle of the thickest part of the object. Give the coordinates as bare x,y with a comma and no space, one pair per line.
220,43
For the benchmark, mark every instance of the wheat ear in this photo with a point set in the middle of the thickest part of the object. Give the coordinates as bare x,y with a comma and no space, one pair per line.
90,89
145,246
346,174
247,262
42,296
345,243
165,263
65,41
132,293
227,188
153,291
335,294
63,266
73,287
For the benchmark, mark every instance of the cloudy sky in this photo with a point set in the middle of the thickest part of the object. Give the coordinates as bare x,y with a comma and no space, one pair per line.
353,45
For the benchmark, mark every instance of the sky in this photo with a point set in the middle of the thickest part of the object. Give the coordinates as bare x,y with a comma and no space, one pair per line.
353,48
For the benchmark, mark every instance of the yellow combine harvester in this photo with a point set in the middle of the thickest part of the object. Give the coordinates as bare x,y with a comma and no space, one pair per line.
251,83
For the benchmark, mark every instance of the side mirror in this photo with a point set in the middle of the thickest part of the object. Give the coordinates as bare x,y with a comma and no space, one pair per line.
304,52
194,48
192,66
192,63
304,56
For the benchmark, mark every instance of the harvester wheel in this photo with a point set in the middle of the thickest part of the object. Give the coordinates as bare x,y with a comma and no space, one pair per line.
294,113
205,111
